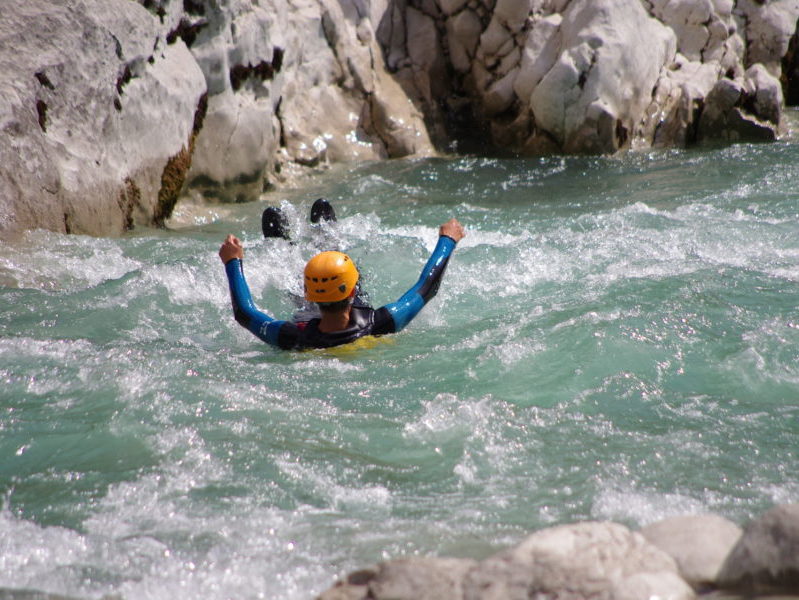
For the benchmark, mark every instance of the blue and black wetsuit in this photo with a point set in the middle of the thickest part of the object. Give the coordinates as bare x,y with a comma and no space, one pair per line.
364,320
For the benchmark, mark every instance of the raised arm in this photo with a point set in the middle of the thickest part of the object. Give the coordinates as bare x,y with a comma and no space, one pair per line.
408,306
245,312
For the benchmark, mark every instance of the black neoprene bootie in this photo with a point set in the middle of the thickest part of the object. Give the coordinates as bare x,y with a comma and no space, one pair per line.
274,223
322,210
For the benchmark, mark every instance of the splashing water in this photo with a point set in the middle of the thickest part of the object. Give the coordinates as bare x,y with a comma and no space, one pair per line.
616,338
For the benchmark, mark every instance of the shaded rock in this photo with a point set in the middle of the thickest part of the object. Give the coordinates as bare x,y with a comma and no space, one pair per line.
405,579
766,558
723,117
764,92
699,544
584,560
463,33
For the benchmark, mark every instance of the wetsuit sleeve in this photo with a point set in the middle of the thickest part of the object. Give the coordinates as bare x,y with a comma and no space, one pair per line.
412,301
267,328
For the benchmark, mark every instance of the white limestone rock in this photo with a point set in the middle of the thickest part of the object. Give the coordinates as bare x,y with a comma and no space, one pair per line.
575,562
540,52
766,93
405,579
679,93
500,96
698,543
312,78
599,85
513,13
706,30
463,34
768,28
97,116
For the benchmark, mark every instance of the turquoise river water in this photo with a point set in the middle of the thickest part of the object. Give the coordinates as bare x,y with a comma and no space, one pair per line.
616,338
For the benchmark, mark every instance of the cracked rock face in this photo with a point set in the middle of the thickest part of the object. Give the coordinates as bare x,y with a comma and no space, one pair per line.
300,84
94,106
577,76
109,109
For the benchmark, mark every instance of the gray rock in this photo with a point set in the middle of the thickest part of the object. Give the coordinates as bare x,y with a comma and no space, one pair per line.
698,543
766,93
597,68
463,34
766,558
98,115
405,579
724,117
575,562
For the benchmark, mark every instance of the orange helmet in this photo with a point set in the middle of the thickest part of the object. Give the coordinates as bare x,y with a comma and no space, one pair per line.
329,277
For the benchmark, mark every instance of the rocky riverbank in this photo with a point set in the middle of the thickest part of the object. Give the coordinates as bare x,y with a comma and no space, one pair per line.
680,558
111,109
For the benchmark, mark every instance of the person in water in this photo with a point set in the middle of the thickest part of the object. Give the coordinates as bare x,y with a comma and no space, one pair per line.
330,281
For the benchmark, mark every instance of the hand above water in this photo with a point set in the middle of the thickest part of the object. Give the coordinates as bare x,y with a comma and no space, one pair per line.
453,229
231,248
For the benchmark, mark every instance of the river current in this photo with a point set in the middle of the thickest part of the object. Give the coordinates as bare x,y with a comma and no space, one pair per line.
616,338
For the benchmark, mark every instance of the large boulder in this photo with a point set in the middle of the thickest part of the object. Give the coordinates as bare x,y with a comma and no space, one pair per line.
98,113
766,558
301,83
698,543
578,562
596,92
109,109
742,110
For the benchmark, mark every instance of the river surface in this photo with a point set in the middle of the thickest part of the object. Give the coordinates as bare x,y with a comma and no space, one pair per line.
616,338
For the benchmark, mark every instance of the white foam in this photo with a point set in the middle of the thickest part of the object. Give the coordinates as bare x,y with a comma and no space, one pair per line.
49,261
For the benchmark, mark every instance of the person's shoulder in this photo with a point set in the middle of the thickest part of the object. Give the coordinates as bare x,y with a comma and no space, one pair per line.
382,321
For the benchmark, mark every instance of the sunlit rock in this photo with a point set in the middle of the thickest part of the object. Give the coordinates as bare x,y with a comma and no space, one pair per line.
405,579
597,90
584,560
768,28
706,30
698,543
98,113
540,52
